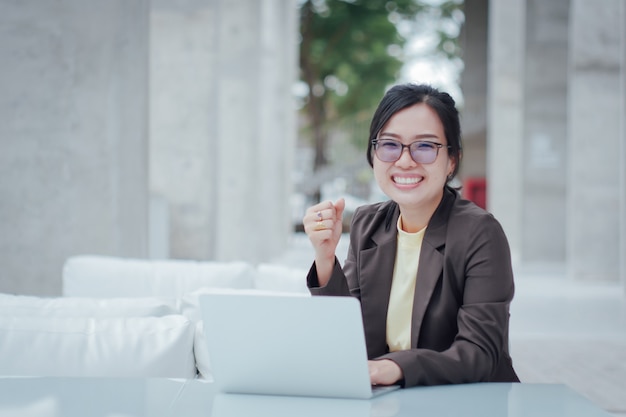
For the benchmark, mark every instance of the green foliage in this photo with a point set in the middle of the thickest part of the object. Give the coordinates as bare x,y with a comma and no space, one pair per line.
351,51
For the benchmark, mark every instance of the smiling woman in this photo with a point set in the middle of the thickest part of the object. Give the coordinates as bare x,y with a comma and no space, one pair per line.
432,271
416,186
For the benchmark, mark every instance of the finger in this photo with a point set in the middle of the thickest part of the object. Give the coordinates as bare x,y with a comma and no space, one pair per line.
340,205
312,212
315,226
372,371
323,205
320,225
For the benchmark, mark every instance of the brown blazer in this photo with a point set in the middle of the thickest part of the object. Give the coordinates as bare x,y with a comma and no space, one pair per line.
464,287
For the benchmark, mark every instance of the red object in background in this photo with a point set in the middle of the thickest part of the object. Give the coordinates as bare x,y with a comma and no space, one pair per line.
475,189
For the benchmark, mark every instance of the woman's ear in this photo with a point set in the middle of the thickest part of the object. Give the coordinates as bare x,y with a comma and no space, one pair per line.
452,167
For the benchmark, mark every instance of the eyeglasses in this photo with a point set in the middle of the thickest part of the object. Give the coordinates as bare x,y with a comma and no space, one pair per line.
422,151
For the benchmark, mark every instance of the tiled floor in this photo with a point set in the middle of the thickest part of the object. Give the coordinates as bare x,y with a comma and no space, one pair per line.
572,333
562,331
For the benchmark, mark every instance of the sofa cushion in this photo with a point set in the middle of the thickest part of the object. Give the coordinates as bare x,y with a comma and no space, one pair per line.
102,276
28,306
97,347
274,277
201,353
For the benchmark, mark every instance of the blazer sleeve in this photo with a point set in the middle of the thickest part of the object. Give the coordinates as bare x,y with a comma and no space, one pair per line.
337,285
479,350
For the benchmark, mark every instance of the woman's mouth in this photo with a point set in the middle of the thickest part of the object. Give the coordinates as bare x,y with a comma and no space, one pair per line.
406,180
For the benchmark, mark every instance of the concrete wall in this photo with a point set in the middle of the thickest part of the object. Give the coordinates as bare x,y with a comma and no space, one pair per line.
73,133
137,128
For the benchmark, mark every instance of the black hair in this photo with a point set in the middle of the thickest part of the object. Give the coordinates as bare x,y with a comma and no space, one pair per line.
402,96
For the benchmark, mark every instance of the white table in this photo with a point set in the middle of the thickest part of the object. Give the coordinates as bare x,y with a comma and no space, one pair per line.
102,397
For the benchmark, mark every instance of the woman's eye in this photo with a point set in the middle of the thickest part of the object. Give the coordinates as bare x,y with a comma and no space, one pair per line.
424,146
389,145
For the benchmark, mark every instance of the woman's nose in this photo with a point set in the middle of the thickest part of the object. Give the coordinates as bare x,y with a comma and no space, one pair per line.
405,160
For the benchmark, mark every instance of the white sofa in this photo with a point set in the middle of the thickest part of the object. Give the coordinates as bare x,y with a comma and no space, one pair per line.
126,317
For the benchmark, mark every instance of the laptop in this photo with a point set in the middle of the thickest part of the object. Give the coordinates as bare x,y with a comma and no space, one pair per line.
289,345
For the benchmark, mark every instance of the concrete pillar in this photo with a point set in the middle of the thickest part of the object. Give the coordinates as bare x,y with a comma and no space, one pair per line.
507,31
223,124
182,60
73,134
254,134
596,133
545,134
623,165
474,38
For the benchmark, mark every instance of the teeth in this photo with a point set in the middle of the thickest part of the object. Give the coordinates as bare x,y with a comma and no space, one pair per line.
405,180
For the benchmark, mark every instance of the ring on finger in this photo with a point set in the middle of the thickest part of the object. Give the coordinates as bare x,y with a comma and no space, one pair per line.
320,225
319,215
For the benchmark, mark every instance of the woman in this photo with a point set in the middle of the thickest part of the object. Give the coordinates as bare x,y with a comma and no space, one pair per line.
432,271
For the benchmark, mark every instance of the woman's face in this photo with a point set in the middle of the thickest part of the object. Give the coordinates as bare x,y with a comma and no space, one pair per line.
414,186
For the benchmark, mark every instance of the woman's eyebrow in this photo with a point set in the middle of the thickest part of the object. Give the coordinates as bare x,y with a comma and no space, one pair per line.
420,136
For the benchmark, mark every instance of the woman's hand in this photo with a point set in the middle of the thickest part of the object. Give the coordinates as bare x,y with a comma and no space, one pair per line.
384,372
322,224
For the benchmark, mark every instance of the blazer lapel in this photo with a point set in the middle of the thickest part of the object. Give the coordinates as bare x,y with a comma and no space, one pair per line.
431,263
376,267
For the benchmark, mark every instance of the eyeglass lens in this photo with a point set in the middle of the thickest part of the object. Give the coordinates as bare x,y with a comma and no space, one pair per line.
422,152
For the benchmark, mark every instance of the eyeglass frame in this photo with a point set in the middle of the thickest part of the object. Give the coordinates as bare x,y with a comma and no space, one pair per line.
436,144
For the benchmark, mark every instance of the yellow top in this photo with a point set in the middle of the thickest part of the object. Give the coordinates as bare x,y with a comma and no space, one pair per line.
402,294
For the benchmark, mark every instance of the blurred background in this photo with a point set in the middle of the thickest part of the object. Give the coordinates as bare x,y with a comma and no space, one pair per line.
202,129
